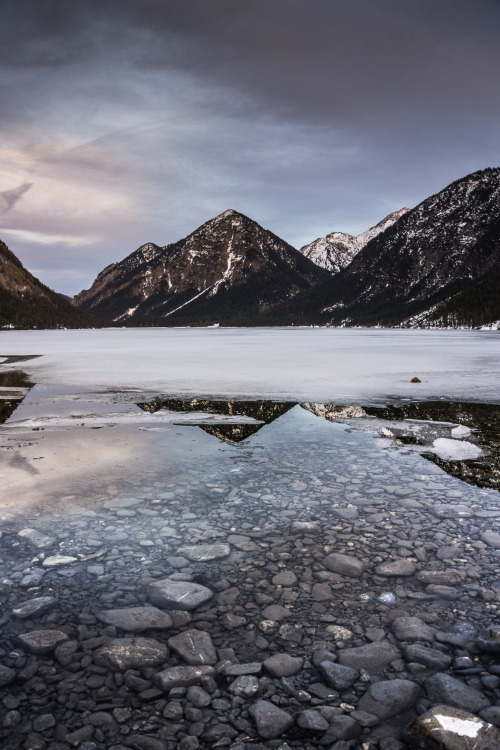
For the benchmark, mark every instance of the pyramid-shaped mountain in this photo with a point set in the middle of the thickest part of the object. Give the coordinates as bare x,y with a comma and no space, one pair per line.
230,269
27,303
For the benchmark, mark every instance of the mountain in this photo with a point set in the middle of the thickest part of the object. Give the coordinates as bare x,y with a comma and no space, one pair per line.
439,264
335,251
229,269
26,303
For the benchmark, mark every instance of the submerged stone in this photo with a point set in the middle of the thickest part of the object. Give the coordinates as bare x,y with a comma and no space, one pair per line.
442,688
136,619
194,646
34,607
374,657
170,594
346,565
131,653
42,641
181,677
205,552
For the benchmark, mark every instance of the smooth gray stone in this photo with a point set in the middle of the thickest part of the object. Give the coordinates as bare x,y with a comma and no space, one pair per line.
270,720
374,657
342,727
275,612
42,641
337,676
345,565
37,538
443,592
396,568
235,670
204,552
441,577
136,619
285,578
390,697
246,686
7,675
452,728
194,646
131,653
181,677
412,629
283,665
34,607
430,657
170,594
312,720
55,560
491,538
442,688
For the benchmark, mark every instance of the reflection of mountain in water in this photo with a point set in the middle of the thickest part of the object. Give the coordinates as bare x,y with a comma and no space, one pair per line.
483,419
12,384
263,411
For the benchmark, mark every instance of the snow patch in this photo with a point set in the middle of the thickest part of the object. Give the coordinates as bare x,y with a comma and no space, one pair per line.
460,727
455,450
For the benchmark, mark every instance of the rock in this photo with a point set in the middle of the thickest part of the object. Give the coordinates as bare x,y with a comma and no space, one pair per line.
170,594
396,568
412,629
246,686
181,677
194,646
488,639
231,622
235,670
442,688
136,619
275,612
42,641
339,633
205,552
430,657
198,697
337,676
270,720
285,578
441,577
37,538
43,722
389,697
131,653
374,657
443,592
342,727
451,511
7,675
455,729
491,538
346,565
34,607
56,560
241,542
283,665
312,720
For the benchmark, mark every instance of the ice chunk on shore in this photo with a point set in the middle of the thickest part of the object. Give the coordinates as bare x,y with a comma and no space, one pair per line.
461,431
455,450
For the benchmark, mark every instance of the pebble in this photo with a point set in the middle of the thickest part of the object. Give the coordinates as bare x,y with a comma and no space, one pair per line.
131,653
412,629
42,641
195,647
137,619
181,677
270,720
345,565
204,552
283,665
171,594
337,676
388,698
374,657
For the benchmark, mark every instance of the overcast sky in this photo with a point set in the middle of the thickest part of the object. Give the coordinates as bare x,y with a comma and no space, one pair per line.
128,121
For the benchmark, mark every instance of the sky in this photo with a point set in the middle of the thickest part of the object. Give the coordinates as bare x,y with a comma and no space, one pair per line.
131,121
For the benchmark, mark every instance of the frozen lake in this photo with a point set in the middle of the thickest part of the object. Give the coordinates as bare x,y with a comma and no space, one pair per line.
343,366
280,469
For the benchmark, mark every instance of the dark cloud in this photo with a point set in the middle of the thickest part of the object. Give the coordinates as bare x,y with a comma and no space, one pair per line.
140,119
9,198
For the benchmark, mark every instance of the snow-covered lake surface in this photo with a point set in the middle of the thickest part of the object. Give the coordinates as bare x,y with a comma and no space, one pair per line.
340,366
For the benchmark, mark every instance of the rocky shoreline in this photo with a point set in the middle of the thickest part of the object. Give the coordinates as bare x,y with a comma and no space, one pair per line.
371,627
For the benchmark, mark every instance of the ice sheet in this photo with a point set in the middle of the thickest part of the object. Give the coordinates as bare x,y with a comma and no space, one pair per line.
341,365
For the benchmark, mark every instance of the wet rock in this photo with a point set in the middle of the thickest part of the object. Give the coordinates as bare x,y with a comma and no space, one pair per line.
390,697
455,729
7,675
312,720
337,676
491,538
55,560
412,629
283,665
443,592
37,538
275,612
345,565
136,619
285,578
430,657
246,686
131,653
342,727
442,688
270,720
488,639
396,568
205,552
42,642
195,647
231,622
181,677
170,594
34,607
374,657
235,670
461,634
441,577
